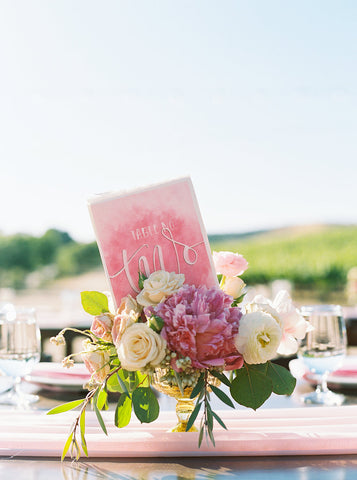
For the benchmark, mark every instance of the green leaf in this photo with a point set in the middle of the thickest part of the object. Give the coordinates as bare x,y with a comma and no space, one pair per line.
146,406
209,417
238,300
210,433
102,399
200,437
65,407
219,420
193,416
98,414
221,376
179,382
82,426
222,396
283,382
156,323
94,303
123,411
199,386
122,383
142,279
66,446
142,379
251,388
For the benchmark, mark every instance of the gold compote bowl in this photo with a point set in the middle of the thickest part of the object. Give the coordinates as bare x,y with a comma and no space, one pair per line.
163,380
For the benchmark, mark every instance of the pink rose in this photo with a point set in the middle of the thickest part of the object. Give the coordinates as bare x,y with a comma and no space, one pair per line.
97,363
128,313
102,326
200,323
229,264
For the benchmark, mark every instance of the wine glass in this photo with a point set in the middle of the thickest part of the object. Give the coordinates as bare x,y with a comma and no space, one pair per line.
323,349
20,348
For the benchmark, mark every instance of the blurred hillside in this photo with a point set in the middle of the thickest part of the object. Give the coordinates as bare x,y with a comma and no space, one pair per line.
314,259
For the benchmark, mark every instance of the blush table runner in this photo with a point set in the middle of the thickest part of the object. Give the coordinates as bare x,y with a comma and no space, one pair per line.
266,432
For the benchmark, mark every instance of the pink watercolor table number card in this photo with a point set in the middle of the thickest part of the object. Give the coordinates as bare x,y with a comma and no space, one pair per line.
154,228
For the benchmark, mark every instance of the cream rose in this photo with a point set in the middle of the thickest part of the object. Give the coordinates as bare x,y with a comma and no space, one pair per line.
159,286
233,286
258,337
140,346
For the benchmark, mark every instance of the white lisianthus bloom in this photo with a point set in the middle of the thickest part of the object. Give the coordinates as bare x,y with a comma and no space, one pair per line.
140,346
233,286
258,337
292,323
159,286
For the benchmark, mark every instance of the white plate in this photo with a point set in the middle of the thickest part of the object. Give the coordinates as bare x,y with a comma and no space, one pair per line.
53,376
344,377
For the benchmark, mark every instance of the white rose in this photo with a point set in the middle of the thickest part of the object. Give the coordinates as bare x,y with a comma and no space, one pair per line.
159,286
233,286
258,337
140,346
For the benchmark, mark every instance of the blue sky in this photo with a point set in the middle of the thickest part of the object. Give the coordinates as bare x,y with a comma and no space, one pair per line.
256,101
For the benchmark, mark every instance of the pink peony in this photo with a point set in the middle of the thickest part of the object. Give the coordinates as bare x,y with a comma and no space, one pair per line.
200,323
229,264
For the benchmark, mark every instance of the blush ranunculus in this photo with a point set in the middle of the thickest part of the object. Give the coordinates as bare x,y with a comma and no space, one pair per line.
200,323
229,264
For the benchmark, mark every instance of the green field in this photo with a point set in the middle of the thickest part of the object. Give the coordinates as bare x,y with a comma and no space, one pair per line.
315,259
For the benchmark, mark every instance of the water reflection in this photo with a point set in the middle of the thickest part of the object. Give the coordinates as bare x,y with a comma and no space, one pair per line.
210,468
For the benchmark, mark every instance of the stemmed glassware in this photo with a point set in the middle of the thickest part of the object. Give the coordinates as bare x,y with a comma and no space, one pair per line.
323,349
20,349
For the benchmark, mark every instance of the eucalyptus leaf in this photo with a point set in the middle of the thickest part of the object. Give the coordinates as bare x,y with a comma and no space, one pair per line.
209,417
199,386
82,426
123,411
94,303
200,436
219,420
193,416
98,414
65,407
66,446
283,382
221,376
102,399
250,387
222,396
146,406
210,433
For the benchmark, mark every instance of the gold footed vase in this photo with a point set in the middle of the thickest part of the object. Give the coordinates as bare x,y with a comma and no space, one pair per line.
184,405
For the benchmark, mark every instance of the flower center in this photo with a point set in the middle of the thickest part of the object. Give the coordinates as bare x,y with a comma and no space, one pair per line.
263,339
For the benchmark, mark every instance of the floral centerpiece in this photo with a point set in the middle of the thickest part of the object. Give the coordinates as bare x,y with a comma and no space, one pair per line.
190,339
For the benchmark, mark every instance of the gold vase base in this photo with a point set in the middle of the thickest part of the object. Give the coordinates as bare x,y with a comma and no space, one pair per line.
181,427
